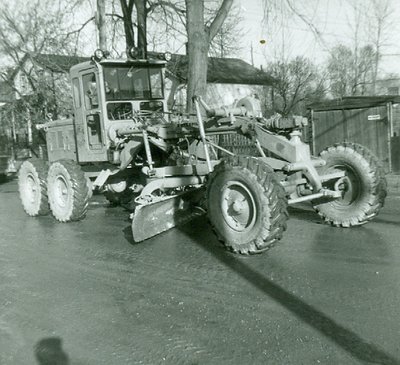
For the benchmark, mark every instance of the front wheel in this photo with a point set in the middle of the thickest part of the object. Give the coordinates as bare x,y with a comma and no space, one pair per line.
118,192
246,205
363,187
68,191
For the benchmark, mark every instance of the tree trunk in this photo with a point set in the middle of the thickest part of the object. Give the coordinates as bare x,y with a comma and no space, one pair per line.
376,65
199,38
141,16
127,8
101,24
198,46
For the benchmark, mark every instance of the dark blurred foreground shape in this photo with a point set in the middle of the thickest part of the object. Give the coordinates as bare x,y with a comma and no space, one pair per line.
49,351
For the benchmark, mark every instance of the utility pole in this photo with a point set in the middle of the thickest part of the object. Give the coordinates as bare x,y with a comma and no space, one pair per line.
252,54
101,24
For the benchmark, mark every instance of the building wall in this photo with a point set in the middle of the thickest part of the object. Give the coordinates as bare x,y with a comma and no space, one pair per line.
217,94
366,126
388,87
396,119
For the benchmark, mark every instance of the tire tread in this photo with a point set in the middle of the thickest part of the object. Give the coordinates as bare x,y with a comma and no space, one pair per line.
273,196
81,192
41,168
378,189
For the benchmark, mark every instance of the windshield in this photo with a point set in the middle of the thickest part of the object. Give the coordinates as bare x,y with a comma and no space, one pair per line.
130,82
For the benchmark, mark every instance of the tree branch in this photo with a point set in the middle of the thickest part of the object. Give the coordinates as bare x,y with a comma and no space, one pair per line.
219,18
80,28
113,15
164,4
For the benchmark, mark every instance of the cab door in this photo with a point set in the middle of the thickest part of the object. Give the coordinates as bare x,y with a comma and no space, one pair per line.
89,123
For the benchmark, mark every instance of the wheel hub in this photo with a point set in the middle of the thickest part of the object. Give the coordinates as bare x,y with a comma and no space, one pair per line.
32,188
348,186
238,206
61,189
117,187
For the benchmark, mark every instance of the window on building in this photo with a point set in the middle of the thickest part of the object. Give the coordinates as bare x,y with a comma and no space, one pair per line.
394,90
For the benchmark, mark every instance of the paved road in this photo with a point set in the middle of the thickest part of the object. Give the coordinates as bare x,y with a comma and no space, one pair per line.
84,293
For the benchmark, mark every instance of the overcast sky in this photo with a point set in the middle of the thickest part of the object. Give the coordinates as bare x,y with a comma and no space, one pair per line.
290,35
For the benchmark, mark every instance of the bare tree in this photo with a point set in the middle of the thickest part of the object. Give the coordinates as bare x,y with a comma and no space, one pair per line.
298,82
349,73
226,42
40,27
380,24
370,23
142,10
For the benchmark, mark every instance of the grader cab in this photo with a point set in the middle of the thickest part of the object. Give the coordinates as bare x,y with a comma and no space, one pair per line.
123,142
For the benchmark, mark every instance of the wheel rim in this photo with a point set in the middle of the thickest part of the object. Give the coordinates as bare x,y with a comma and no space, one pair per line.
32,189
117,187
238,206
61,190
349,185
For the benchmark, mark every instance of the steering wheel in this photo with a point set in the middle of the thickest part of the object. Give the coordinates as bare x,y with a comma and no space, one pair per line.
121,112
144,113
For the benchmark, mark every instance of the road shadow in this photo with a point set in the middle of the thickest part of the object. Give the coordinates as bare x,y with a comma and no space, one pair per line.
349,341
127,231
357,244
385,221
303,212
49,351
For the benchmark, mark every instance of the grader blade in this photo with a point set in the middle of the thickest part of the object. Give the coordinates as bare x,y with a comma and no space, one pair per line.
155,218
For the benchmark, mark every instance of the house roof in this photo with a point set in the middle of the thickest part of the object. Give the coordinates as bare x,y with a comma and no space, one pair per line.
58,63
222,70
354,102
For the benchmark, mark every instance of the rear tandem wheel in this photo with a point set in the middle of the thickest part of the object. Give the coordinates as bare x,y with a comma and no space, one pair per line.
68,191
247,205
32,186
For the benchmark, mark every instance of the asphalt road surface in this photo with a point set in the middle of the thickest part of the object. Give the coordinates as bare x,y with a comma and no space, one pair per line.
84,293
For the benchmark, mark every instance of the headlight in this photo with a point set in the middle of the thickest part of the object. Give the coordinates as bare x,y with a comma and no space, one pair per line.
98,54
167,56
133,52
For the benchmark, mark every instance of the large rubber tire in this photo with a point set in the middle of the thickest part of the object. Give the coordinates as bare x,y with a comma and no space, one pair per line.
68,191
247,206
363,189
32,186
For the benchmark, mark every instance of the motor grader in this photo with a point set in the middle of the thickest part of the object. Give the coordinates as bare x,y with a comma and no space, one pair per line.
123,142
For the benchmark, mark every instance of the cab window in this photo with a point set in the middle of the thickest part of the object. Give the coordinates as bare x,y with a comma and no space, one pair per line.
90,91
76,92
132,82
156,83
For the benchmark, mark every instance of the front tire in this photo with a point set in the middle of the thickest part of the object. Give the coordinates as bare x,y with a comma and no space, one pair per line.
247,206
364,187
32,186
68,191
118,192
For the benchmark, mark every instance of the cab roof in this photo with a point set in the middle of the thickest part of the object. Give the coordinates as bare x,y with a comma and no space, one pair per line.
121,62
